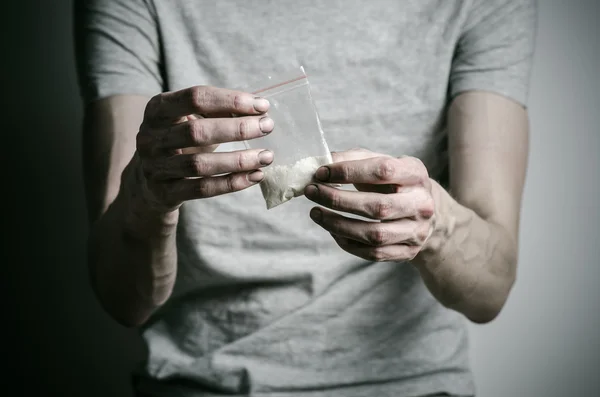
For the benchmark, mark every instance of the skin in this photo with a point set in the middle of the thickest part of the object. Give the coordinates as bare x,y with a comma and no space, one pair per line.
140,170
465,244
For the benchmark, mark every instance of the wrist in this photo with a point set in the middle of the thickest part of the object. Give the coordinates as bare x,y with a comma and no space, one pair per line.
444,222
142,220
140,217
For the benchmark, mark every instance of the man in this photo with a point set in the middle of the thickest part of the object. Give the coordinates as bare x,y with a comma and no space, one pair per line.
305,299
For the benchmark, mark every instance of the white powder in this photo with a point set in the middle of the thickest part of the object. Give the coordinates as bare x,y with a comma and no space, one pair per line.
284,182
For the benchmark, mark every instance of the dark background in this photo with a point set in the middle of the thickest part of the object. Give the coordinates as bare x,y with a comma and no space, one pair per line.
59,342
56,341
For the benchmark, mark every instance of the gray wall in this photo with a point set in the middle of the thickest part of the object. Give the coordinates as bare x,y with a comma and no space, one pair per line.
58,342
547,340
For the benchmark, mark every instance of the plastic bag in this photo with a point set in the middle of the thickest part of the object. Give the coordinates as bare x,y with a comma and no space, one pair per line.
297,141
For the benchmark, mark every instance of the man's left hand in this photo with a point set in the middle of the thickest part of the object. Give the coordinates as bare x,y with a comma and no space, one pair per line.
394,194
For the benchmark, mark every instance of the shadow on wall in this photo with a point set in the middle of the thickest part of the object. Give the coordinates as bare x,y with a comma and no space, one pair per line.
59,342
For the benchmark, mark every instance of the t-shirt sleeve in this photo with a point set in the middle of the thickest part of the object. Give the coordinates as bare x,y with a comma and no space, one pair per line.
117,48
495,50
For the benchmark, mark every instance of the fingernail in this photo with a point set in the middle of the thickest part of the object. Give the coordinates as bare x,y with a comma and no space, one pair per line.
311,191
255,176
316,215
261,104
322,174
266,125
265,157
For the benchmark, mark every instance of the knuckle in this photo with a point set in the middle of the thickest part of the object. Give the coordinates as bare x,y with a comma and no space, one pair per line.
422,235
383,208
419,235
155,101
197,131
200,96
418,168
236,183
427,208
378,236
197,165
148,141
377,254
423,180
244,161
341,173
244,130
334,200
203,189
229,184
386,169
238,102
153,105
421,167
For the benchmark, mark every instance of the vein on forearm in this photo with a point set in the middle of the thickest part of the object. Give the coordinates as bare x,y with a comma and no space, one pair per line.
470,261
466,263
132,258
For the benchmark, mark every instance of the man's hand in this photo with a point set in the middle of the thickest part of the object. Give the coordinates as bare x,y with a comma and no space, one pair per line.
394,194
465,245
140,170
175,159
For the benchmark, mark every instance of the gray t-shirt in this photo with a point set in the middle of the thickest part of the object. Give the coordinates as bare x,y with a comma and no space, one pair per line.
265,303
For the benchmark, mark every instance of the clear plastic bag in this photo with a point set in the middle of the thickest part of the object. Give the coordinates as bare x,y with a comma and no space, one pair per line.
297,141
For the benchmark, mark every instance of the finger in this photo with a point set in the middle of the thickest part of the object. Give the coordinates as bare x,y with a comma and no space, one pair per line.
375,170
209,164
387,253
205,132
203,100
375,234
198,188
373,205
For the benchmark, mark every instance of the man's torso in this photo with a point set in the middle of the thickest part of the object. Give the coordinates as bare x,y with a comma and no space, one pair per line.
265,301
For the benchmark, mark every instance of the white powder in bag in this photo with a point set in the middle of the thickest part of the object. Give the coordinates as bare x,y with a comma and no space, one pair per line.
281,183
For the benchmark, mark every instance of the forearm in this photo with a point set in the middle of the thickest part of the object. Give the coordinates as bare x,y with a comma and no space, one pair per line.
468,263
132,257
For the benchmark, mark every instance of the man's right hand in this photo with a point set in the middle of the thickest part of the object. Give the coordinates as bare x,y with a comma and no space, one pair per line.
175,159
